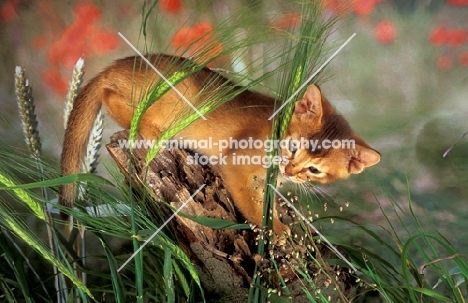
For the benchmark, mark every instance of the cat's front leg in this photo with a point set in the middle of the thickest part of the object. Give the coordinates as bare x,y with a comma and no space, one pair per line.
246,186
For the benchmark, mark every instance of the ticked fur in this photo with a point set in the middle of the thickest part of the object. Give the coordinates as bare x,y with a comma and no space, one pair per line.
122,84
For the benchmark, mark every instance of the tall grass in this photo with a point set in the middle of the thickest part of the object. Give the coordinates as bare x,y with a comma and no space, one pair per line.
305,52
428,267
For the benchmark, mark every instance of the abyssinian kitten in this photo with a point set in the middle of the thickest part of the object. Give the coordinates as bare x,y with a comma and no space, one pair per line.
120,86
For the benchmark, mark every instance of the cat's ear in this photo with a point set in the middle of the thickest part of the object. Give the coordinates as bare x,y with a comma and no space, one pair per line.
310,106
362,157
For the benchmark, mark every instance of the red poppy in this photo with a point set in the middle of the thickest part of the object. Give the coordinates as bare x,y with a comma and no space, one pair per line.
8,11
202,28
74,40
385,32
104,41
70,46
170,6
364,7
193,37
439,35
82,38
463,59
457,37
458,2
54,80
197,40
182,39
87,13
287,21
444,63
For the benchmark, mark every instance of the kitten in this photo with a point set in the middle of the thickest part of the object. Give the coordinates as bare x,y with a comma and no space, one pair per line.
244,118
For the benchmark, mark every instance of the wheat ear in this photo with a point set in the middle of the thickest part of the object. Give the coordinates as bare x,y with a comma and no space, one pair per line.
73,89
25,99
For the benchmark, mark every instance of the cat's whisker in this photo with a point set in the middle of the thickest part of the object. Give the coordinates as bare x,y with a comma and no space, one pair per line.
319,193
306,191
299,189
323,192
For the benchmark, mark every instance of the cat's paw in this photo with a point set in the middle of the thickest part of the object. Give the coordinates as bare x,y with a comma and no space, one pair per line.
282,232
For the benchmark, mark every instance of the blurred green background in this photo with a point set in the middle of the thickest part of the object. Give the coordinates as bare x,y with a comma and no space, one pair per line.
402,83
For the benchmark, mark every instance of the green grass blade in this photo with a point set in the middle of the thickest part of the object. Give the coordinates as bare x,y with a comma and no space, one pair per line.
7,291
168,275
117,283
154,95
17,227
55,182
16,265
176,251
178,272
24,197
215,223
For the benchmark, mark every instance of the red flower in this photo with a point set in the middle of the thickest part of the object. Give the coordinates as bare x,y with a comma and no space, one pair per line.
74,41
287,21
463,59
54,80
364,7
70,46
444,63
457,37
8,11
183,38
385,32
104,41
87,13
452,37
458,2
80,38
202,29
170,6
197,40
193,37
439,35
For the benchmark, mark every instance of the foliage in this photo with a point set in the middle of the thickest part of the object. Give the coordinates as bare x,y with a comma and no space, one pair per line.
415,266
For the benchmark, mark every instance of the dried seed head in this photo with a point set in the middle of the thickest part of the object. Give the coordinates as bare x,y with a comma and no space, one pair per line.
73,90
25,99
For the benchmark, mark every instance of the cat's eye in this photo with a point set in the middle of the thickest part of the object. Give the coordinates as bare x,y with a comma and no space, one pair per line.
314,170
292,146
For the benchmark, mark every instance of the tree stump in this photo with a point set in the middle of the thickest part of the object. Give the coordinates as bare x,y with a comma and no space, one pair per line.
225,259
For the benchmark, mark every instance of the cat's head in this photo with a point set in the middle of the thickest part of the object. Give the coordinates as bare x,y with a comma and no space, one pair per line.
319,145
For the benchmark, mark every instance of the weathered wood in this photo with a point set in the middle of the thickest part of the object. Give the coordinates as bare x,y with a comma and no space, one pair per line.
225,259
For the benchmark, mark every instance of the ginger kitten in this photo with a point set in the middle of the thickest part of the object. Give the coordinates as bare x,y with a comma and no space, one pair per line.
243,118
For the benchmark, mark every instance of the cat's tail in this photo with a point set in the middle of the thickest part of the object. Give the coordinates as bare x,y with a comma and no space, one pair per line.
80,123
